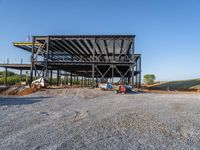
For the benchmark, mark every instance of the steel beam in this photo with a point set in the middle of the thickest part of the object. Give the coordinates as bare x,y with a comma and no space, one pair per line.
47,57
140,72
51,72
5,76
32,59
58,77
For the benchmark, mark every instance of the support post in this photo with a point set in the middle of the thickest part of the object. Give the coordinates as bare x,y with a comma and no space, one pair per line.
21,72
6,74
112,74
35,73
32,59
82,81
47,56
88,82
133,61
20,75
129,74
93,75
51,77
96,80
67,79
93,65
133,75
74,79
71,79
140,73
136,68
58,76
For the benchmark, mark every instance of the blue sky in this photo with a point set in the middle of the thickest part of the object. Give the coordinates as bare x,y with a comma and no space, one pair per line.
167,31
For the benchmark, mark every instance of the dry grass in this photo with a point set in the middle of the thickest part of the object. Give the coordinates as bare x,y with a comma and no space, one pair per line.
182,85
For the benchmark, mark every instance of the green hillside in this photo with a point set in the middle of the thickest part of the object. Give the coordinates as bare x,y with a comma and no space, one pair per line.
193,84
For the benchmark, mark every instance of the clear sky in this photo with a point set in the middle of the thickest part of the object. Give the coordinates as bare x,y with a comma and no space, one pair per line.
167,31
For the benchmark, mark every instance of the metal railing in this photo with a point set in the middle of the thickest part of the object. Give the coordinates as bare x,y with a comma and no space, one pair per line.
14,61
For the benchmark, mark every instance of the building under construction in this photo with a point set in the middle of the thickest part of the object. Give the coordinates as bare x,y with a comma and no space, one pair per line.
90,59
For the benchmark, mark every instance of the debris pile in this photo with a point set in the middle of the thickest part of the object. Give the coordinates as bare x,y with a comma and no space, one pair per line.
16,90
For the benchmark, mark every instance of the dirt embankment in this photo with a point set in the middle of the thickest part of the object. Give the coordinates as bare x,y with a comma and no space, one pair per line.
16,90
182,85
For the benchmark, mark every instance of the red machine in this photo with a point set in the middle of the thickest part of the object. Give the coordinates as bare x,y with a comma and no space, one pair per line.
122,89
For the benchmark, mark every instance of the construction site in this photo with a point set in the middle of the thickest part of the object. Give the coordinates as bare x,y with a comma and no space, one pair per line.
86,59
85,92
99,75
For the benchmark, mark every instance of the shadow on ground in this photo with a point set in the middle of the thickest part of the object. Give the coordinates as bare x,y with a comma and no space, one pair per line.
20,100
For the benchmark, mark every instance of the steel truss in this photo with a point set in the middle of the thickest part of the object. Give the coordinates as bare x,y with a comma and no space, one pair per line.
86,57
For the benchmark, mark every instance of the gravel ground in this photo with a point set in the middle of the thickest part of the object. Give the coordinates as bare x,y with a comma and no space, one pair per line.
93,119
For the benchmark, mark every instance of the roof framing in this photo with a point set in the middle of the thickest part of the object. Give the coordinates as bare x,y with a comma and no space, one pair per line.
84,47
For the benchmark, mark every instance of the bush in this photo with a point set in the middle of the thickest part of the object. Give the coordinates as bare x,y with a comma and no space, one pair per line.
12,78
149,78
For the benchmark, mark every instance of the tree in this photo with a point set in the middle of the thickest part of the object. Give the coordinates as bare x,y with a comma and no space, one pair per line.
9,73
149,78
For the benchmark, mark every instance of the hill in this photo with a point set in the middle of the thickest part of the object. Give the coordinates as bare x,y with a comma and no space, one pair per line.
193,84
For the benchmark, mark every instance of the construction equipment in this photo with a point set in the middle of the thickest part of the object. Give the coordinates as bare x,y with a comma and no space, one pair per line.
124,89
105,86
40,83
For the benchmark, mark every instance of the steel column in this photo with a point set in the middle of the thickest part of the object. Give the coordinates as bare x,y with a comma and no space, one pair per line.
93,65
136,78
112,73
132,76
70,78
20,75
67,80
51,77
21,72
140,72
47,56
133,60
5,76
81,80
77,80
32,59
58,76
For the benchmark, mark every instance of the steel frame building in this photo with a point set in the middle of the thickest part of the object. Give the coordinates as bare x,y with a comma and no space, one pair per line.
99,58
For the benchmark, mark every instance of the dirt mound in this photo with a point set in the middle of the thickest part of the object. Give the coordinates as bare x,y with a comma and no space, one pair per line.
4,88
27,91
17,90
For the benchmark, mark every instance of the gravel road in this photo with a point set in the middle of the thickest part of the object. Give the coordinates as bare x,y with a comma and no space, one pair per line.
92,119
